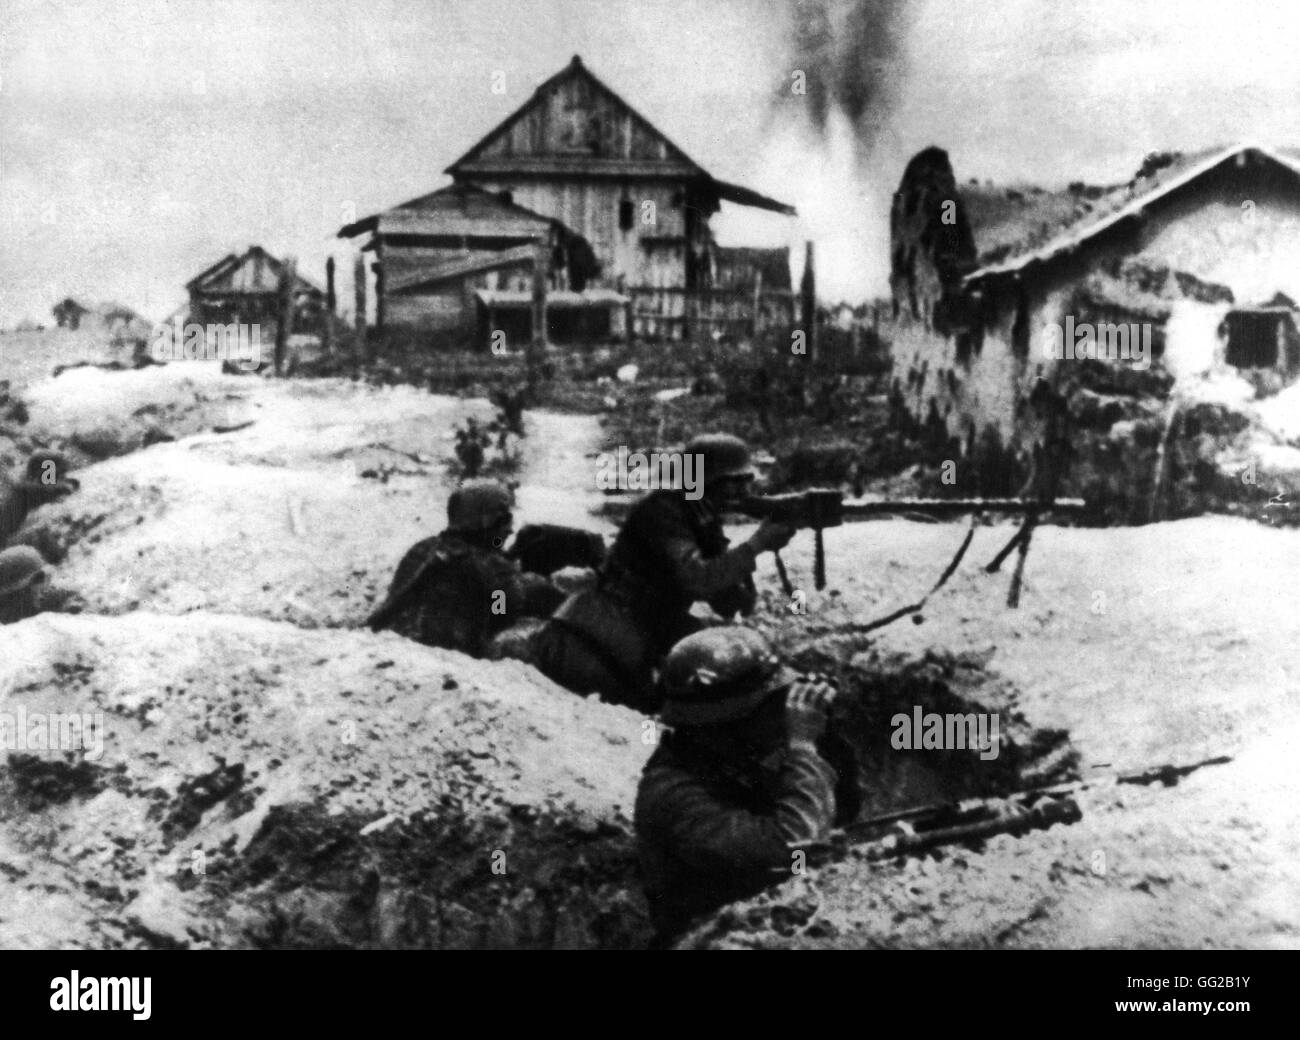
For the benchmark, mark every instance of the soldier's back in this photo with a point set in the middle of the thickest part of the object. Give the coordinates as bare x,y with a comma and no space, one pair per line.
13,509
443,594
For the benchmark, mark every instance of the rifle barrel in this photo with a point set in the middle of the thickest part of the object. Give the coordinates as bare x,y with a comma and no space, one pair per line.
970,808
853,508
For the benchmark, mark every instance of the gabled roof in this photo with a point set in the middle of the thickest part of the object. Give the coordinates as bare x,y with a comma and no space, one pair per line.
457,209
1117,204
574,70
255,272
676,164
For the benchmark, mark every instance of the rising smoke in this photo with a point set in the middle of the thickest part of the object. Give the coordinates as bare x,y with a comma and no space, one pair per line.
831,146
851,52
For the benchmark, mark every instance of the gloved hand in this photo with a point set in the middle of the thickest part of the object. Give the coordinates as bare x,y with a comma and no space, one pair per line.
771,536
807,708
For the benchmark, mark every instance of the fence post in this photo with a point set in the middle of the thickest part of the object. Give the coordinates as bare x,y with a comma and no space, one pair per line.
331,302
284,327
359,320
808,301
541,279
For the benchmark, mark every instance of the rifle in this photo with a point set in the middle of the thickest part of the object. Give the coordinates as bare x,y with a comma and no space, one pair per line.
913,831
821,508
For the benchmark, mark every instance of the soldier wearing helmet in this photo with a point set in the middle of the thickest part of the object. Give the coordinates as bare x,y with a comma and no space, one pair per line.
670,553
22,579
459,589
738,783
45,480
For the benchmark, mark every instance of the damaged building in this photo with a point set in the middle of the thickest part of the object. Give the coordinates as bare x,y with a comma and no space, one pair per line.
612,215
248,288
1186,274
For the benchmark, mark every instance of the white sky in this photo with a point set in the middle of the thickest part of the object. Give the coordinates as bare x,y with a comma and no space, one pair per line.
141,141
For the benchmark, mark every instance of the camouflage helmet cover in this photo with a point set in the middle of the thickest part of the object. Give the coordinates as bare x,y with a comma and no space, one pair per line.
20,567
720,675
723,455
479,505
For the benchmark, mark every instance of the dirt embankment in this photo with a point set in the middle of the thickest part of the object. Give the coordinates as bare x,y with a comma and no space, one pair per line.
1169,643
264,785
299,512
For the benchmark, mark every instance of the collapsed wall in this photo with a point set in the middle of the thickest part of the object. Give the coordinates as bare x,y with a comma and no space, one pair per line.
932,250
932,247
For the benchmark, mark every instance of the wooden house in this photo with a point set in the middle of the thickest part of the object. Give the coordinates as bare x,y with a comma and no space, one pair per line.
576,180
246,288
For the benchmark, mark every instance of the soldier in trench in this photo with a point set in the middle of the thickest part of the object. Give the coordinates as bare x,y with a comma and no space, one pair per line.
22,580
44,480
670,553
739,782
459,589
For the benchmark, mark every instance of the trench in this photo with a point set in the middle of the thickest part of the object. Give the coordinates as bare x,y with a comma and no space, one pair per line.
318,881
309,879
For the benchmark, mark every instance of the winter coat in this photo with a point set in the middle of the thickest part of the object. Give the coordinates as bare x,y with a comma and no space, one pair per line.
710,832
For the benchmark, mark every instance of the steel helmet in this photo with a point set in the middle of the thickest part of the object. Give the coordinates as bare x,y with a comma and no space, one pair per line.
720,675
20,567
479,505
723,455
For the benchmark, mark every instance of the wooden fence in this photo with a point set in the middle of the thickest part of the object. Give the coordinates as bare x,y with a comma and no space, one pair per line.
674,313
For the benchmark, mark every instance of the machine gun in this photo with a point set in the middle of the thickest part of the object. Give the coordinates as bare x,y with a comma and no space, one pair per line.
822,508
915,831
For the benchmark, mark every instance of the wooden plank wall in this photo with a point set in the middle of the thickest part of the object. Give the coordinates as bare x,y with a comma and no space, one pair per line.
591,208
579,119
672,313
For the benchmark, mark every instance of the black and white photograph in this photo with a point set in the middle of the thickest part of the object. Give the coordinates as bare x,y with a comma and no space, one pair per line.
649,475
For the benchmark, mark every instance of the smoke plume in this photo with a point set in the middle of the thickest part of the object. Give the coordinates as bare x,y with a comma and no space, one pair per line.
831,145
851,53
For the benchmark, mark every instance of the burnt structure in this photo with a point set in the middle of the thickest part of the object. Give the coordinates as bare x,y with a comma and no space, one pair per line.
246,288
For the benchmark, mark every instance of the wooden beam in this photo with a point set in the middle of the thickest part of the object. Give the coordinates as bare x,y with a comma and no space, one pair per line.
472,264
359,320
808,300
578,166
331,302
442,224
284,327
541,282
